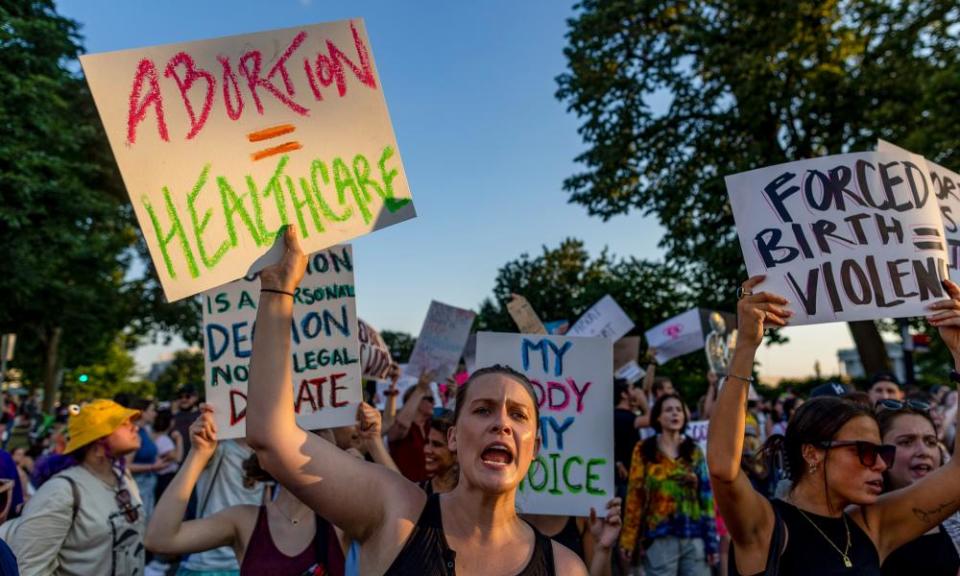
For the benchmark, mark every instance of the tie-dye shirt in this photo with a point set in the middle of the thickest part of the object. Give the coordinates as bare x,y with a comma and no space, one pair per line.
681,501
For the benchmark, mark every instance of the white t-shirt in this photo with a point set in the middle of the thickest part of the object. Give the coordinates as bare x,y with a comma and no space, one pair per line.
165,445
47,539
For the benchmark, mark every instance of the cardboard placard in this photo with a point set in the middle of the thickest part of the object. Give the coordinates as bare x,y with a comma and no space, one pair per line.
325,349
525,316
846,237
441,341
572,378
558,327
605,319
626,350
220,142
375,359
946,188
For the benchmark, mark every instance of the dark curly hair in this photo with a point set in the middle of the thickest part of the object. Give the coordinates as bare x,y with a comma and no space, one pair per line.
651,452
253,473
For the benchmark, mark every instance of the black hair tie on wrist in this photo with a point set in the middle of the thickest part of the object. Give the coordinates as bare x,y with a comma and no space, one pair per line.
290,294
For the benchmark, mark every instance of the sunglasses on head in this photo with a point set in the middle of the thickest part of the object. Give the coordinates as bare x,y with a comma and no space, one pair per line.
866,451
891,404
125,502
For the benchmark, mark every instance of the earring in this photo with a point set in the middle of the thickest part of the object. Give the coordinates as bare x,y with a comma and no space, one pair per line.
813,468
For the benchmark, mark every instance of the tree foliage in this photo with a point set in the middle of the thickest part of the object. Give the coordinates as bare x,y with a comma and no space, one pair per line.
67,232
562,283
400,344
115,374
185,368
747,84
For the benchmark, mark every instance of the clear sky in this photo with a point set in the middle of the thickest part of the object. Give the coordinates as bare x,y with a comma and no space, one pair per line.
486,146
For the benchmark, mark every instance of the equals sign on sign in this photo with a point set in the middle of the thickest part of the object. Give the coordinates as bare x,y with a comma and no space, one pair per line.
927,238
270,133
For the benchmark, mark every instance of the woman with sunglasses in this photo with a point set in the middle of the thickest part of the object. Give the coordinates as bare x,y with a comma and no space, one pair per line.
908,426
473,529
87,518
834,519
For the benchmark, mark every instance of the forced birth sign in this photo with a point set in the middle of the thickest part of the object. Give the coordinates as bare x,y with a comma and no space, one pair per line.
221,142
573,381
325,366
846,237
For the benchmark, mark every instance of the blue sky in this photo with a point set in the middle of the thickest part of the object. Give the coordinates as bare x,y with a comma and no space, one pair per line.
485,144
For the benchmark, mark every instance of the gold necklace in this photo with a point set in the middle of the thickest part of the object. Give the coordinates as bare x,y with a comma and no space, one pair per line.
844,554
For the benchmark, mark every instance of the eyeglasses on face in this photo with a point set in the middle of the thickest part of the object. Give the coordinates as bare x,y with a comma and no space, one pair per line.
891,404
866,451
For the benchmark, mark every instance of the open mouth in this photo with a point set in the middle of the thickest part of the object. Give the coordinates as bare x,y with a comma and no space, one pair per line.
497,455
876,485
921,469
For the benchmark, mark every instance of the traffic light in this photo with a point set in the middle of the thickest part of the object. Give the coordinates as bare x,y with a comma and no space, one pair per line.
83,378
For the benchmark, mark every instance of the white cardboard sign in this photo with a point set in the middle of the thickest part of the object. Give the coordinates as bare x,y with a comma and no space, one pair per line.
946,187
325,371
221,142
441,341
572,378
605,319
846,237
677,336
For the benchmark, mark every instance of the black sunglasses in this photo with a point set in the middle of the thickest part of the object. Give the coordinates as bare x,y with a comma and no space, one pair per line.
126,505
866,451
891,404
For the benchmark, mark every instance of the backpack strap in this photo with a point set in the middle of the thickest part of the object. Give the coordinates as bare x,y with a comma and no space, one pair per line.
76,498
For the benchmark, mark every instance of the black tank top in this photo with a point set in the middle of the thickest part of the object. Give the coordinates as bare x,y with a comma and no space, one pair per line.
930,555
571,537
808,552
426,552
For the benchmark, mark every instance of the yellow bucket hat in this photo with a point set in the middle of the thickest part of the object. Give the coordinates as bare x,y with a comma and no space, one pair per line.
94,421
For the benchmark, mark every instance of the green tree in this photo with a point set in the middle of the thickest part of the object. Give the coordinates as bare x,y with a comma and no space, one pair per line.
563,282
115,374
748,84
400,344
186,368
67,231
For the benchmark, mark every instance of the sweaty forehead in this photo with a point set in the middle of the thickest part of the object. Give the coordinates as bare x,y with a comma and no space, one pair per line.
498,388
860,428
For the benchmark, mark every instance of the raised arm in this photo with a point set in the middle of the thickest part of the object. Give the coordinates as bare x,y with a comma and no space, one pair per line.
903,515
748,515
390,411
167,532
317,472
711,401
408,412
651,374
368,422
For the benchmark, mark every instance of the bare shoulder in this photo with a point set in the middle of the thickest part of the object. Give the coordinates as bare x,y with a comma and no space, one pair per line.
566,561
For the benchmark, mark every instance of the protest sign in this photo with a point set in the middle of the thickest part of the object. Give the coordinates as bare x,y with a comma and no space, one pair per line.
946,188
441,341
631,372
375,359
221,142
846,237
403,383
604,319
525,316
697,431
677,336
325,369
572,381
470,354
626,350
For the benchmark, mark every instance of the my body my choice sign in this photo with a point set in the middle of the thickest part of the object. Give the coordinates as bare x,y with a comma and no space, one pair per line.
847,237
325,348
573,380
221,142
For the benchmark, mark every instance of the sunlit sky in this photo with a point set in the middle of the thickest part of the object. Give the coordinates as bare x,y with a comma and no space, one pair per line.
486,145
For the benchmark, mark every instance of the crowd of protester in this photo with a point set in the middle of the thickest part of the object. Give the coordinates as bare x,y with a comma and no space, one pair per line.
837,481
